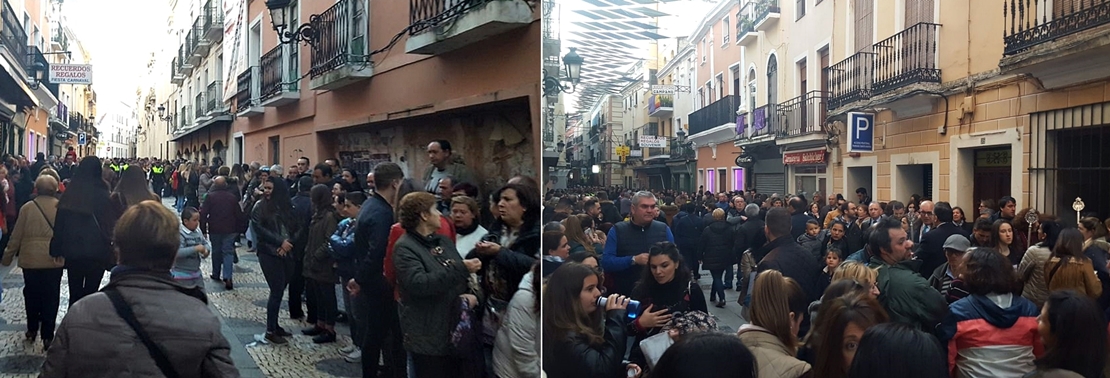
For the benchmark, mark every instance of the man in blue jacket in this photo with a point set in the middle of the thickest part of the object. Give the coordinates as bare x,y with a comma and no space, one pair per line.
626,248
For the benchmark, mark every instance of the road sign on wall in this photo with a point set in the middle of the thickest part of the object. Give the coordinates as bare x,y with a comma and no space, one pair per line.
81,141
861,132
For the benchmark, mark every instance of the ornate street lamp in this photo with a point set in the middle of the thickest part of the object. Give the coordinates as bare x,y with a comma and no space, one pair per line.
38,70
559,147
1078,206
552,85
279,17
162,113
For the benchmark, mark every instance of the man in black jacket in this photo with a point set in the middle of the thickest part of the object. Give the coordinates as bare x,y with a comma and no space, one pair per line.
749,235
786,256
302,211
610,213
373,293
931,252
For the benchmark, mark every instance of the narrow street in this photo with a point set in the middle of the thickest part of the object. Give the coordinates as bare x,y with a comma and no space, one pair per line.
243,315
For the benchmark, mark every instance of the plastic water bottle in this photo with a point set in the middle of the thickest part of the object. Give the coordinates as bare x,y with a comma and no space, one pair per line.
633,306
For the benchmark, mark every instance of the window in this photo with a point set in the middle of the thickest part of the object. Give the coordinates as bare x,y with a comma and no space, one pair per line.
720,86
294,49
724,32
772,80
735,71
738,179
800,9
751,90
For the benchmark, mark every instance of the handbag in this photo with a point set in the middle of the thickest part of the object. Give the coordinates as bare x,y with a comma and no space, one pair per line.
124,311
654,346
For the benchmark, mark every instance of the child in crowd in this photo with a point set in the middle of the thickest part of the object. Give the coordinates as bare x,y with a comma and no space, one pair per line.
194,247
832,261
811,240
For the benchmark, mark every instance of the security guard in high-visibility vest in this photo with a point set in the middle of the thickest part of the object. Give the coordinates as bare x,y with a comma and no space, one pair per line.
114,167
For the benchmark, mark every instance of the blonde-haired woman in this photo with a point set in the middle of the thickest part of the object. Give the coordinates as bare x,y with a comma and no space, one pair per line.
856,271
778,308
42,274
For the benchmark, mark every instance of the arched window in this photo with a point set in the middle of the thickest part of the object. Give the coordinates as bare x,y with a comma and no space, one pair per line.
772,80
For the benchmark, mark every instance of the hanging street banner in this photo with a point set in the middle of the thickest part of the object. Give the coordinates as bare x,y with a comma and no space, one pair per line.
662,89
861,132
71,74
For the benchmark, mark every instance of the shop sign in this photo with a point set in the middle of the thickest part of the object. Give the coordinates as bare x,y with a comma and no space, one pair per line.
745,160
649,141
71,73
61,136
861,132
804,157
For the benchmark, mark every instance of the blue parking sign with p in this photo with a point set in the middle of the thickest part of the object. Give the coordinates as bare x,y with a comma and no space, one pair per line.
861,132
81,139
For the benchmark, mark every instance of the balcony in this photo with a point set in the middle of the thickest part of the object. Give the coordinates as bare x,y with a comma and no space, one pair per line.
909,57
247,101
720,113
201,112
212,21
745,25
278,82
202,43
192,54
766,14
803,118
185,57
439,26
1060,47
185,117
177,74
766,123
12,35
214,94
850,79
59,118
661,106
340,59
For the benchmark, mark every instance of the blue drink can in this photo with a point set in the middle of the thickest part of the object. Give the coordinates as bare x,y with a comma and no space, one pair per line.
633,306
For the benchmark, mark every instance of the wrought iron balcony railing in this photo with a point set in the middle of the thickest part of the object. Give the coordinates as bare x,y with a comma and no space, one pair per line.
246,89
186,117
906,58
213,16
34,55
765,120
341,38
201,106
214,95
719,113
273,69
12,35
425,14
850,79
804,114
1027,24
745,20
764,8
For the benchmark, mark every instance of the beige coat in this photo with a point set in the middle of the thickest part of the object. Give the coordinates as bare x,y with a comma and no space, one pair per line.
1032,263
31,235
772,357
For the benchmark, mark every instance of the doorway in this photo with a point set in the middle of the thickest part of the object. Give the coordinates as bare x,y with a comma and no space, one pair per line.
858,177
914,179
275,150
992,173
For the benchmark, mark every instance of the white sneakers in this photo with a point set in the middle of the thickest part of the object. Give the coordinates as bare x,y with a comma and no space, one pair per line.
353,357
348,349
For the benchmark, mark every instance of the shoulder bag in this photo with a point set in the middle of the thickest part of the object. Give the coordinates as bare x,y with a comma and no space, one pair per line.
124,311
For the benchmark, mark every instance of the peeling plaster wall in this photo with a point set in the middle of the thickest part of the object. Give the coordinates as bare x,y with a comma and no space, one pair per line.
495,144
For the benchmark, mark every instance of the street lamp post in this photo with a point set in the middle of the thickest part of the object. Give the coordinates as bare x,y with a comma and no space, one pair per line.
307,33
552,85
1078,206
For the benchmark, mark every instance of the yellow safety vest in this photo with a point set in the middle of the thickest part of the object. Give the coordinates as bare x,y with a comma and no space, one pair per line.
157,170
115,167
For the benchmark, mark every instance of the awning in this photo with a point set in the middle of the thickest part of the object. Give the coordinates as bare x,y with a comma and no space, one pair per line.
224,118
12,77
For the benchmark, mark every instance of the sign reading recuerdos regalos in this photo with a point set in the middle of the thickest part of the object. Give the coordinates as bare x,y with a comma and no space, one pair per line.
71,73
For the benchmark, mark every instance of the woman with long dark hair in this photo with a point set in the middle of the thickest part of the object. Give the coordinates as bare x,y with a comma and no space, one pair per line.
1073,330
706,355
319,270
83,232
839,325
507,253
275,229
581,338
192,186
883,349
1002,239
664,290
132,188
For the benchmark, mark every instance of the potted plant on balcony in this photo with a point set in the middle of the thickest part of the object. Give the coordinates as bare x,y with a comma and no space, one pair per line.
745,26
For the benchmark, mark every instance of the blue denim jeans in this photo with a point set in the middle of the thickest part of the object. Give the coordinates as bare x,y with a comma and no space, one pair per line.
728,277
223,254
179,204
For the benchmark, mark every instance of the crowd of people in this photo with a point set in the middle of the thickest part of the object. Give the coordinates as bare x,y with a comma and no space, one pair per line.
438,274
828,287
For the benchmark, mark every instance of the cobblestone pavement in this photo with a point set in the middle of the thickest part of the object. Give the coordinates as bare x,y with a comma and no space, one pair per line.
243,315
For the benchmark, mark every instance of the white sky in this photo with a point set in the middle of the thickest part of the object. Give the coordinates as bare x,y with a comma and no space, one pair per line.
119,35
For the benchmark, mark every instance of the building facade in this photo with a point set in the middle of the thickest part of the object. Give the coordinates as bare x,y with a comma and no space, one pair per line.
380,86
